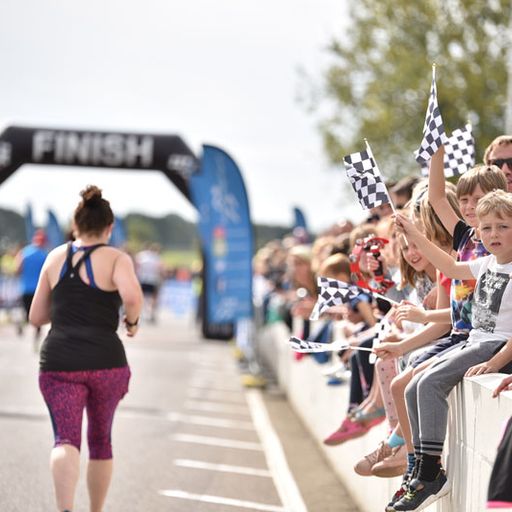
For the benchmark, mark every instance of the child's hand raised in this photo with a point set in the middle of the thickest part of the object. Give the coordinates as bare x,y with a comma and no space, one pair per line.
405,226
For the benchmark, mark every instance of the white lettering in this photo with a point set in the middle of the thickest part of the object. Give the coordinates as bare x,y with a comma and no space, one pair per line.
184,164
111,149
142,149
113,152
5,154
77,148
97,149
225,204
43,143
60,149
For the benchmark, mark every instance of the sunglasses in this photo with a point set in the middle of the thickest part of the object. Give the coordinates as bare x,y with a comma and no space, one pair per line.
498,162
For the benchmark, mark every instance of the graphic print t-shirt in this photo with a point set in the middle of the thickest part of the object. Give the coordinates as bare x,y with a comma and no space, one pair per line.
468,248
492,300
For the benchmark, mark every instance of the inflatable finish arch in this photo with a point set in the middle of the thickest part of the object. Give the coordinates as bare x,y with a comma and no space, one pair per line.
114,150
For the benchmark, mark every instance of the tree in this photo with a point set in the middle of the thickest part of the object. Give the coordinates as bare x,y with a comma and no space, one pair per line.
12,229
378,84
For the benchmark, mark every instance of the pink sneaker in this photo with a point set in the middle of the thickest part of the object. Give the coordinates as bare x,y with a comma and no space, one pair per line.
364,466
373,423
394,464
348,430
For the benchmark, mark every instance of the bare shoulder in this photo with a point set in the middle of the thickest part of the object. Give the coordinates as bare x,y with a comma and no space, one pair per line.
110,251
57,254
120,257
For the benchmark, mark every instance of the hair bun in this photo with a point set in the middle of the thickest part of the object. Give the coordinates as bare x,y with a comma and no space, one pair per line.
91,195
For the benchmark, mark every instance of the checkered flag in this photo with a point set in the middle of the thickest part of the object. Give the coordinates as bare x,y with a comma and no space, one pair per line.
459,154
433,129
332,292
310,347
365,177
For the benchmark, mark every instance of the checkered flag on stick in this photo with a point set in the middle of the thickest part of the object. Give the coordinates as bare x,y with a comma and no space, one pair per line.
433,129
310,347
459,154
332,292
365,178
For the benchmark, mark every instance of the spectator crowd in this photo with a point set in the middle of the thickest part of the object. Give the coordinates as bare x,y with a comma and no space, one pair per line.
432,305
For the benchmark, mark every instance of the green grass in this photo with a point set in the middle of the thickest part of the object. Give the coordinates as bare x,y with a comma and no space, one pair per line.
181,258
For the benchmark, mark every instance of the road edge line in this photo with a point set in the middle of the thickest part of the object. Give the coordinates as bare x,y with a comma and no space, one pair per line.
285,483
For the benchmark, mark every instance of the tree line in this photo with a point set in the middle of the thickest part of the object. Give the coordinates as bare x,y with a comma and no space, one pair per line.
170,231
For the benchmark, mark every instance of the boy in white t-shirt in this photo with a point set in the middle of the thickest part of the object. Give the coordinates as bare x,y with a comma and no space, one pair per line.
488,348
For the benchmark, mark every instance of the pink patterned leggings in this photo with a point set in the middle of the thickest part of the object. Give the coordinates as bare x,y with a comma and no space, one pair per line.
98,391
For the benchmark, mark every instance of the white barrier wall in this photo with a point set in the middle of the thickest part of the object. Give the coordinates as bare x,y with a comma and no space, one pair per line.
475,425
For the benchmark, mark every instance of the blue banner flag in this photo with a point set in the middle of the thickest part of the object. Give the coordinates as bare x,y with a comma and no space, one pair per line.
29,224
118,238
226,233
300,228
54,236
300,220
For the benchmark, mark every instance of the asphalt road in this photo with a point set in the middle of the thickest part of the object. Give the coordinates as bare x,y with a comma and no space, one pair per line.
187,437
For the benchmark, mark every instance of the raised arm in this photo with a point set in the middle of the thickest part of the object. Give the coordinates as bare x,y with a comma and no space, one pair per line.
437,192
440,259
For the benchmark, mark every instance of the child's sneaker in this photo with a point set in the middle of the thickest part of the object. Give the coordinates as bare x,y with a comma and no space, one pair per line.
334,381
376,413
422,493
399,494
393,465
365,465
348,430
253,381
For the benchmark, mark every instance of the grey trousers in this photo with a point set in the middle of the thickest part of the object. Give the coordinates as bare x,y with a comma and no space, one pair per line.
427,393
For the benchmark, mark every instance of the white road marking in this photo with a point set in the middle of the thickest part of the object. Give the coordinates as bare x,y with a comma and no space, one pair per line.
210,386
172,493
226,468
213,371
201,393
274,453
217,441
209,421
216,407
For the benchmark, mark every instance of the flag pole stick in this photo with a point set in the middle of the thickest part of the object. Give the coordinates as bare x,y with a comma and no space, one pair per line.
383,297
365,349
369,149
379,296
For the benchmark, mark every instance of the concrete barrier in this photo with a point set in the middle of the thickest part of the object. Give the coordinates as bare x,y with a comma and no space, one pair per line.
475,425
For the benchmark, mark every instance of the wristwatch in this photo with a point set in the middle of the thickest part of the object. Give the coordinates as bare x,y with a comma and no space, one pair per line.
131,324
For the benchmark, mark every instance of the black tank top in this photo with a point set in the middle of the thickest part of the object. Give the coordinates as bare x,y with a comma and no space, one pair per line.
84,322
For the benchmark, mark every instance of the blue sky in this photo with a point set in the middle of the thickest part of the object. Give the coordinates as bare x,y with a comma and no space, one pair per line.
223,73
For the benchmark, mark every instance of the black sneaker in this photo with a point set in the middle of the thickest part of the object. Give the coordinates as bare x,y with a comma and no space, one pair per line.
422,493
404,487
